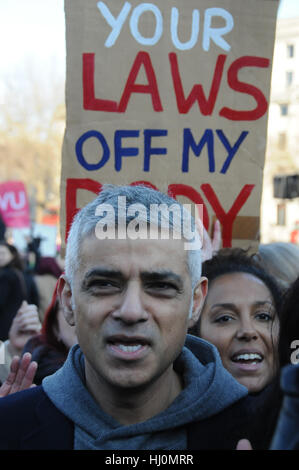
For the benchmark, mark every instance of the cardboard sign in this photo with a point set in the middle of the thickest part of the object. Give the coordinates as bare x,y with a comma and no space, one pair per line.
174,94
14,205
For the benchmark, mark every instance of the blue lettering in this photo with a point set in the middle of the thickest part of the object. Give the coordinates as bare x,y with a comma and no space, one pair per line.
123,151
79,150
231,150
189,142
148,149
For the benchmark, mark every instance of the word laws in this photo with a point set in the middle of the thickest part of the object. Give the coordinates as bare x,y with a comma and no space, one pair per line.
184,102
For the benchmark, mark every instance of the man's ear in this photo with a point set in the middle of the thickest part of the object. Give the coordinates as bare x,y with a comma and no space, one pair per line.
199,296
64,292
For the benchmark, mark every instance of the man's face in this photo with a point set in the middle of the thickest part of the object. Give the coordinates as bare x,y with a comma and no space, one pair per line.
131,302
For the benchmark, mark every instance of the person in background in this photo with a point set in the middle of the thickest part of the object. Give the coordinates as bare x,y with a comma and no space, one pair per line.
33,252
288,342
241,317
286,436
281,259
20,377
2,229
15,287
47,348
50,348
47,271
25,325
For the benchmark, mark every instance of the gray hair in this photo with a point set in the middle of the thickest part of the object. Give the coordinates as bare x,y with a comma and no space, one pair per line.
86,220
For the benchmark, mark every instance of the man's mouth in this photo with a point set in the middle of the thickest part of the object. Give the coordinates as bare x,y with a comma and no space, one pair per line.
128,347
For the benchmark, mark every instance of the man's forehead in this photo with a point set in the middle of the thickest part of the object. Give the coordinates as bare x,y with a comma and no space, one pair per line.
150,255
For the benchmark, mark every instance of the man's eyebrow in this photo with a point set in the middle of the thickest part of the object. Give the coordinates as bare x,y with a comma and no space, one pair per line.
161,276
146,276
103,272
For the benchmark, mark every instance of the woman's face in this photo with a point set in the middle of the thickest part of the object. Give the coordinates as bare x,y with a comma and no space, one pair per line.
239,318
5,256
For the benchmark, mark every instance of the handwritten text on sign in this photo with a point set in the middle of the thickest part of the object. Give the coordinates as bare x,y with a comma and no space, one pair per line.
207,29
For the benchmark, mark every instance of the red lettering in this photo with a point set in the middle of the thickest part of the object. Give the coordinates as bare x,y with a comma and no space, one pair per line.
89,99
142,58
227,219
175,190
242,87
206,106
72,186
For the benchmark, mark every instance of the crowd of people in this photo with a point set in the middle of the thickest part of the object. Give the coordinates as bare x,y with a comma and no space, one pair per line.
142,344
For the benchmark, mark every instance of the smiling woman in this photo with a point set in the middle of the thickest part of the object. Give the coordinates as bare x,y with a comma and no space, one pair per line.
241,317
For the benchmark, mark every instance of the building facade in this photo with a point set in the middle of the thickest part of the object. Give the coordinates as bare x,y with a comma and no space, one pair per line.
280,199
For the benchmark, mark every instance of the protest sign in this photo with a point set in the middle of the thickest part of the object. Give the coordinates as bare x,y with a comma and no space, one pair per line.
14,204
174,94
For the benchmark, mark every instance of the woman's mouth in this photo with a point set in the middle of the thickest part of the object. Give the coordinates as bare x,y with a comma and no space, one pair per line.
249,361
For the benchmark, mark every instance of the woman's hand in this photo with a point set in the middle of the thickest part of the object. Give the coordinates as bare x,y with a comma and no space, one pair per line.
25,324
209,246
22,372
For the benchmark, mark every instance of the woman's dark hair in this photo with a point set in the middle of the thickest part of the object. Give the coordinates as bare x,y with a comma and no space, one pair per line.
47,350
237,260
16,261
289,325
48,265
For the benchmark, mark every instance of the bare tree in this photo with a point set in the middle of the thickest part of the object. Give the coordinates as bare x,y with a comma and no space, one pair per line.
32,124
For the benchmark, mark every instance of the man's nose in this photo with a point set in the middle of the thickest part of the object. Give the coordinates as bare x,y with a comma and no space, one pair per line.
131,308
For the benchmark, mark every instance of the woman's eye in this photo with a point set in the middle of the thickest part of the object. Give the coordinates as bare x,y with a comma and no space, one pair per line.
264,316
224,319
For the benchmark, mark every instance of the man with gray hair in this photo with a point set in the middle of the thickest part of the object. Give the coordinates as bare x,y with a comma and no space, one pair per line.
132,287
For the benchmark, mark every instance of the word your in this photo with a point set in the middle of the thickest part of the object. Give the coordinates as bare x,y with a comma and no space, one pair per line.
209,33
184,104
189,144
159,222
295,354
226,219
